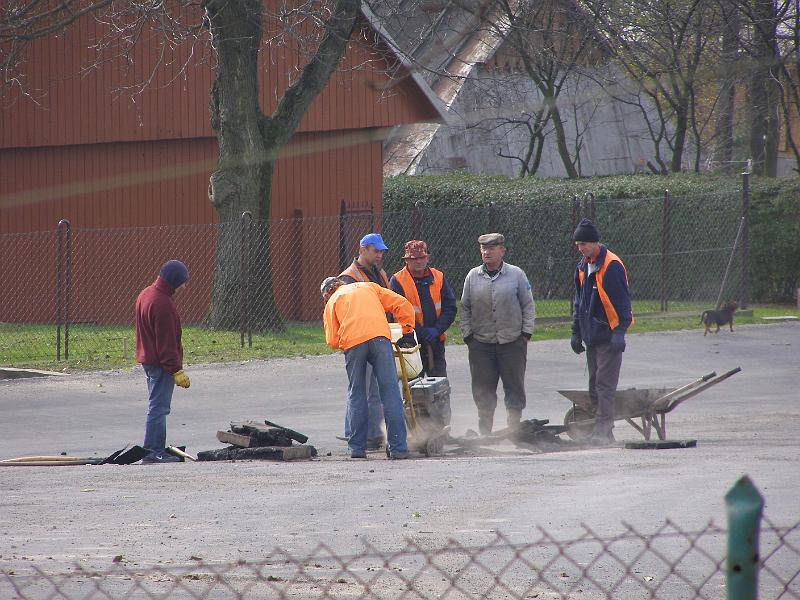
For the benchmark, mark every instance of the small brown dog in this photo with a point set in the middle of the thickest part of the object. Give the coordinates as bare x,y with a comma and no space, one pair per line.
723,316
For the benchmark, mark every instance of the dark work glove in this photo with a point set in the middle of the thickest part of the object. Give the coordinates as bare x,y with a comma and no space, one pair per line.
428,334
468,339
407,341
576,343
618,340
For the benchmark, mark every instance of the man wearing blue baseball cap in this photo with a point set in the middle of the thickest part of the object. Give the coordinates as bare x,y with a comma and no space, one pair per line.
367,267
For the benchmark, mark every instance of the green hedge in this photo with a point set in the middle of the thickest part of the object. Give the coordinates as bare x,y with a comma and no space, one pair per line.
705,213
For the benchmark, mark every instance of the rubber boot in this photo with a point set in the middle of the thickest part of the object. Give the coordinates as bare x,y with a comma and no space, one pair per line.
485,422
513,417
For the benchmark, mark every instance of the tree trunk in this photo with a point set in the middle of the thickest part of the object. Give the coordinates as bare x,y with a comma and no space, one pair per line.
764,92
249,144
679,143
727,87
242,181
561,138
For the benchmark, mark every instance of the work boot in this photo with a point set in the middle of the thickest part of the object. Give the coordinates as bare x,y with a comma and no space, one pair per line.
513,417
485,422
601,439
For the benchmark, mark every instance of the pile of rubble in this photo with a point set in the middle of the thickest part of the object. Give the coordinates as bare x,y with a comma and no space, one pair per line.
260,440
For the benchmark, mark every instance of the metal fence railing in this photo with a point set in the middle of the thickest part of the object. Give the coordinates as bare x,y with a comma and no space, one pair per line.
667,563
69,293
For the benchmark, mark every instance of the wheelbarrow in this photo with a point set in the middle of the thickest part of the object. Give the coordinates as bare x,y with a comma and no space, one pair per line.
649,406
426,414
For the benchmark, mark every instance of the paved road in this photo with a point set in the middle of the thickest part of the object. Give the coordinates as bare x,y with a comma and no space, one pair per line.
164,514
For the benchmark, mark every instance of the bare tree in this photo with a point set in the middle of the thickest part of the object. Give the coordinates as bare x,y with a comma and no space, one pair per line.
249,140
549,41
660,46
772,44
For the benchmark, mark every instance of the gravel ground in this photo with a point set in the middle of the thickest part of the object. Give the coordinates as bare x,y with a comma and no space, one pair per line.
168,516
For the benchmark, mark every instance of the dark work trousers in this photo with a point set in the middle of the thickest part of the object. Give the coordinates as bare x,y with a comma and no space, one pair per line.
604,364
487,364
433,360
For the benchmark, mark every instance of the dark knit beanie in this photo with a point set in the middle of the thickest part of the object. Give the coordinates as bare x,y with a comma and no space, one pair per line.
586,232
175,273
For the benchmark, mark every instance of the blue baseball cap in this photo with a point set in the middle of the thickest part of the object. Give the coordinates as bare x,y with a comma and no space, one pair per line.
375,239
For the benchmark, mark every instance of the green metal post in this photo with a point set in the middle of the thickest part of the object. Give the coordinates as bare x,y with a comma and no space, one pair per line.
744,506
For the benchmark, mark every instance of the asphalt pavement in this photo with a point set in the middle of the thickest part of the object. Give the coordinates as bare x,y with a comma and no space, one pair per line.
164,514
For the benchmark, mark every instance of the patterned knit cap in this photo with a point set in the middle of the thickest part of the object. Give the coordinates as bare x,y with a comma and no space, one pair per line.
416,249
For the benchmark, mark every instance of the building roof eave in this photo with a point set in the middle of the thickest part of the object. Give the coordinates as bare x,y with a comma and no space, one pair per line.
426,90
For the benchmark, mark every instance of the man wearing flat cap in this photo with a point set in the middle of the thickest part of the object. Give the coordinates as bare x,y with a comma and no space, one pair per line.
433,300
601,317
497,314
367,266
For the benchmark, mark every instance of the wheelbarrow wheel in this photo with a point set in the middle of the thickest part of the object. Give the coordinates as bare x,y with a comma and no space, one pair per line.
579,423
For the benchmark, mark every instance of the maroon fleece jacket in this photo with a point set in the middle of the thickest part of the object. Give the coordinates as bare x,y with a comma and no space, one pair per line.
158,328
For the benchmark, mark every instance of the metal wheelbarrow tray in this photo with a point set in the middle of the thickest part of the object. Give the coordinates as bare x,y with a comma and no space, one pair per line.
650,406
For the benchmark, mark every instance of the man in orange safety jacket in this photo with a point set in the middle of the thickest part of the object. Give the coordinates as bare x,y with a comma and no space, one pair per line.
355,322
602,316
434,304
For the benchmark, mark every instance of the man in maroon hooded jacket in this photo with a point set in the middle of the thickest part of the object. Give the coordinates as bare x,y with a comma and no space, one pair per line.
158,348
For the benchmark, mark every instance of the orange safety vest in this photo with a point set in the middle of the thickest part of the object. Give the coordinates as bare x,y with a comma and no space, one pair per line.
406,281
611,312
359,275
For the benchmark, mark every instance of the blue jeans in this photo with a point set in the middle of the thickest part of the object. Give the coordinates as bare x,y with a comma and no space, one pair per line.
378,353
374,409
160,384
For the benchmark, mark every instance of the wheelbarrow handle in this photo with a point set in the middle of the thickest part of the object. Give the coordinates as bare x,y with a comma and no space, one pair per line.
709,376
704,387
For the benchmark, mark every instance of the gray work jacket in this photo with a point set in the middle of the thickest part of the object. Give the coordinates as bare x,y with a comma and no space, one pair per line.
497,310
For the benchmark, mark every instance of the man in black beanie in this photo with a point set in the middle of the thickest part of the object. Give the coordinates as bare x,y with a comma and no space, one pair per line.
159,350
602,316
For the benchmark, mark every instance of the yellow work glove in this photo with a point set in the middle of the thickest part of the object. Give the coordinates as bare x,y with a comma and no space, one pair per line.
181,379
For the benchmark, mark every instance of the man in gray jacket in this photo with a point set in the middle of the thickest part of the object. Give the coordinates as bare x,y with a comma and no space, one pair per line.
497,313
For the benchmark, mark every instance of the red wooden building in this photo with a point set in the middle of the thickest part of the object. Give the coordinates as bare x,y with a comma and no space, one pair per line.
116,166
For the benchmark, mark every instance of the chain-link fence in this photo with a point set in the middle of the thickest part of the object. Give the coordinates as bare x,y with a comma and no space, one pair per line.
69,293
669,562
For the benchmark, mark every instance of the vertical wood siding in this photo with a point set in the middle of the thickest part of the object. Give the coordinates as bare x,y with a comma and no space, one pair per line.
124,230
71,106
113,163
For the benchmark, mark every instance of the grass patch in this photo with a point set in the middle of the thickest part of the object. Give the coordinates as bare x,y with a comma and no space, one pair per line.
102,347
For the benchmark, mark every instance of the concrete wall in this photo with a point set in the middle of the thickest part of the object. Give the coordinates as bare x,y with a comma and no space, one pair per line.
615,138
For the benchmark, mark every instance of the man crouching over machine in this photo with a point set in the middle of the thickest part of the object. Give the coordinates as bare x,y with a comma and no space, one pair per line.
355,322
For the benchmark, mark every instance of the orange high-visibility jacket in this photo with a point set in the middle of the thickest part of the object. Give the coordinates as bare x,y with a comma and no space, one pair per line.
355,272
608,305
406,281
355,313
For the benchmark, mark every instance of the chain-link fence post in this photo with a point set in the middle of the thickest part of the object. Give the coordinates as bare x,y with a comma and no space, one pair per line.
591,204
744,507
298,242
417,220
245,238
744,295
491,216
665,248
63,284
344,259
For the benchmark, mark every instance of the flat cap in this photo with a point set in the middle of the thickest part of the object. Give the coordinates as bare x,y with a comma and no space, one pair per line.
492,239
